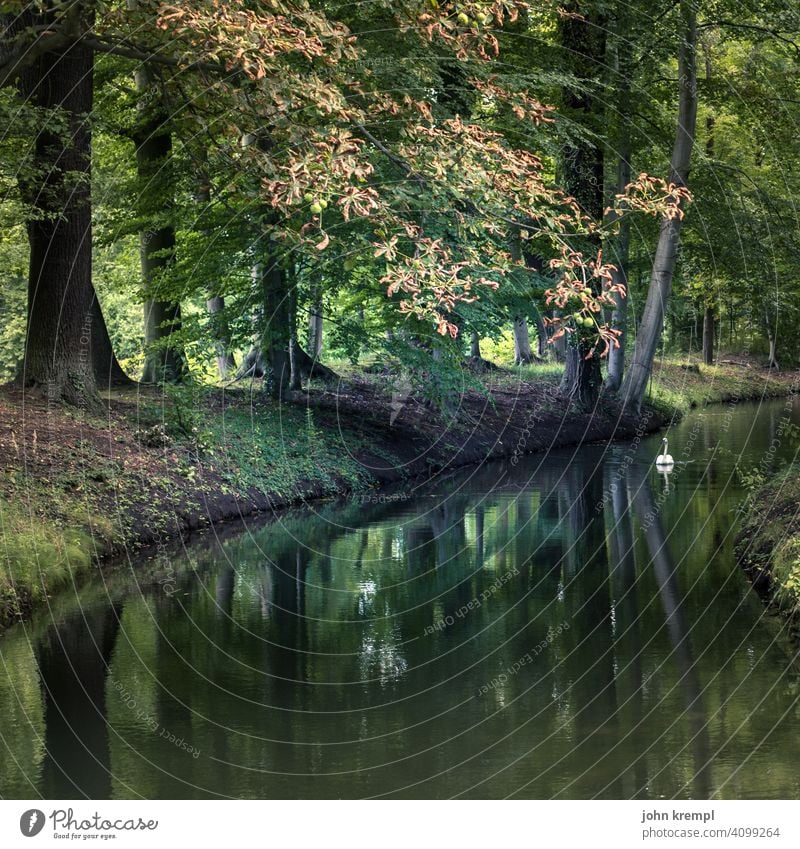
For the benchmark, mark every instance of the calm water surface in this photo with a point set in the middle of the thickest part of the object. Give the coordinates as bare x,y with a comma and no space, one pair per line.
574,626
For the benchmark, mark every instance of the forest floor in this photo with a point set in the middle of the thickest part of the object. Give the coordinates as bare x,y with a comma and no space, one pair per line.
158,463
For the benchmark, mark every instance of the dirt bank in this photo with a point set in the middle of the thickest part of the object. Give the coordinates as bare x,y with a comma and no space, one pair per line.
79,487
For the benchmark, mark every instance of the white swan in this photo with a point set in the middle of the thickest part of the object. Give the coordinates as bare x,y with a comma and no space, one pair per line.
664,460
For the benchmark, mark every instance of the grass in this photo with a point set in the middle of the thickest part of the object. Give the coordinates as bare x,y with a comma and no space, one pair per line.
681,384
38,556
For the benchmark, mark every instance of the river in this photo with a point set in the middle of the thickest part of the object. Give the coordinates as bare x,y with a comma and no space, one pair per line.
572,626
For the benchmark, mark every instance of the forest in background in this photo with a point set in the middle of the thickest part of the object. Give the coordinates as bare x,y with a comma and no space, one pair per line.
204,192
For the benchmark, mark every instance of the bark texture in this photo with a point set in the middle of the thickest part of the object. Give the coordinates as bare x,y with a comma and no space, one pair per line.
277,336
57,191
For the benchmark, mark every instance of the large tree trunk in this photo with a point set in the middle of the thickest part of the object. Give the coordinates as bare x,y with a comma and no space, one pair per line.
277,335
666,255
583,38
619,316
523,355
581,382
164,360
708,336
58,357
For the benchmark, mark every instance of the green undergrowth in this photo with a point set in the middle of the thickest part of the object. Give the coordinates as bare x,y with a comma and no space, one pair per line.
161,455
251,443
768,545
38,556
678,386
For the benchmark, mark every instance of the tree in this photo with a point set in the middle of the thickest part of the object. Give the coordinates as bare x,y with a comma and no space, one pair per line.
623,62
164,359
56,189
666,254
583,37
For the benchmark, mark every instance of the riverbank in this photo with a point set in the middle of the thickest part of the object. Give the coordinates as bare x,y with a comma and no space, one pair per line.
78,487
768,546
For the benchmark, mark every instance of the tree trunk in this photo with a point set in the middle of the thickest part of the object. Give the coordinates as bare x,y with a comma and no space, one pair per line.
164,360
773,343
619,316
541,336
583,38
658,293
523,355
277,336
559,345
225,361
215,304
475,346
708,336
308,367
708,313
773,363
315,326
581,382
295,381
58,358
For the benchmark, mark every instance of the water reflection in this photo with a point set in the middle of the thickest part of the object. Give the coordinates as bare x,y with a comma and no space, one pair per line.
568,627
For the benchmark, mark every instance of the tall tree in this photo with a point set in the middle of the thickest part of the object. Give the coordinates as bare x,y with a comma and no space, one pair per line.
666,255
215,303
708,305
277,335
164,358
56,187
623,67
582,36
